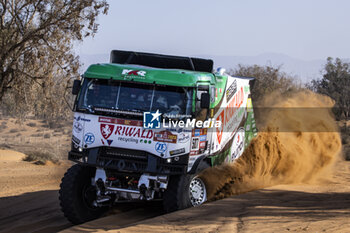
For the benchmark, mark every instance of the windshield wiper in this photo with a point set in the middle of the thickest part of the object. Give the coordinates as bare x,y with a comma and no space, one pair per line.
90,108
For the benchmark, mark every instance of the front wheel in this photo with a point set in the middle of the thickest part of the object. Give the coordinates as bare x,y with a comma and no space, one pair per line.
197,191
185,191
77,195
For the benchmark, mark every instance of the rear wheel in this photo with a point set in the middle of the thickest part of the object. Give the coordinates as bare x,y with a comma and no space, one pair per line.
77,195
185,191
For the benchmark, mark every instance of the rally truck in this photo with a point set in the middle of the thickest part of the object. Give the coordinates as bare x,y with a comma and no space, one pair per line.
145,125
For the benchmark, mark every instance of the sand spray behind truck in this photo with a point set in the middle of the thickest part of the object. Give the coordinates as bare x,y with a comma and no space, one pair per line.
298,142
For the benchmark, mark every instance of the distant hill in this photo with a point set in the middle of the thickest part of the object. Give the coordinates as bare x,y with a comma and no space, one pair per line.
302,69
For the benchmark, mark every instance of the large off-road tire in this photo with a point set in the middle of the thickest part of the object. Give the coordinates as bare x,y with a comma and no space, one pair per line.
185,191
77,195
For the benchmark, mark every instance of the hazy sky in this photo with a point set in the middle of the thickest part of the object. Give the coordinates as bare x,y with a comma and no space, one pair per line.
304,29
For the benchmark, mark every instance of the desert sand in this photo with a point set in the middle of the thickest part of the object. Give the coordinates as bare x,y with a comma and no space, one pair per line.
314,197
284,208
29,203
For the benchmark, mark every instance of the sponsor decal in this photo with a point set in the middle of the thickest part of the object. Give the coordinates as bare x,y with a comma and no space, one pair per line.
79,118
232,107
75,140
119,121
228,113
127,73
237,144
203,138
231,90
124,139
77,127
161,147
183,138
194,152
249,105
197,132
202,144
106,130
135,132
109,142
177,151
220,130
165,136
180,130
145,141
195,143
89,138
151,120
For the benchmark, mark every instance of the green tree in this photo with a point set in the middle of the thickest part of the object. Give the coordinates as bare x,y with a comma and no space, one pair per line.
267,80
36,46
335,83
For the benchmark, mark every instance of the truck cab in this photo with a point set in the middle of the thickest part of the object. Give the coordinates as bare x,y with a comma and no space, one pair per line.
145,125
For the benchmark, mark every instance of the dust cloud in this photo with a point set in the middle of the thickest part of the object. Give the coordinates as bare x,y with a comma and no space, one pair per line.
293,145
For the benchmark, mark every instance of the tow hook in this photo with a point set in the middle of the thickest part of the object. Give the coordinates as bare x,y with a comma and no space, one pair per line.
143,189
148,184
101,186
99,181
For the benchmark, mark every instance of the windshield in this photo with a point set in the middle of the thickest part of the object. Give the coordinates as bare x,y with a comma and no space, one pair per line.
134,97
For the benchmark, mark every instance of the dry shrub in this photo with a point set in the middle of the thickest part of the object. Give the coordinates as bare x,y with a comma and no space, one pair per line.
4,146
2,126
37,134
40,157
31,124
346,152
13,131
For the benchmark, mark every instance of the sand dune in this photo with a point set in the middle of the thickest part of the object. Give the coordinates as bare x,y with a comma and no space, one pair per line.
29,192
283,208
10,155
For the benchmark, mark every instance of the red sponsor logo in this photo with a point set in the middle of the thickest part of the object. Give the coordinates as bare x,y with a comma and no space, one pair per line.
234,104
106,130
165,136
221,129
119,121
194,152
134,72
133,132
227,113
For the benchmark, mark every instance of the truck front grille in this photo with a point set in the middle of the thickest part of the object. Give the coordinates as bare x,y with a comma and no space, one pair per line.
132,161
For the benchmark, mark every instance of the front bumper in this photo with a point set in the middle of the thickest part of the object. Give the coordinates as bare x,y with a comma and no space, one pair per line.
130,161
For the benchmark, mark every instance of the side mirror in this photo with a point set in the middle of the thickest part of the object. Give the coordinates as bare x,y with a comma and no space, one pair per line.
205,100
76,87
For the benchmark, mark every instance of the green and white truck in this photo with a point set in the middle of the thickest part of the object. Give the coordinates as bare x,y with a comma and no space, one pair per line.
145,125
